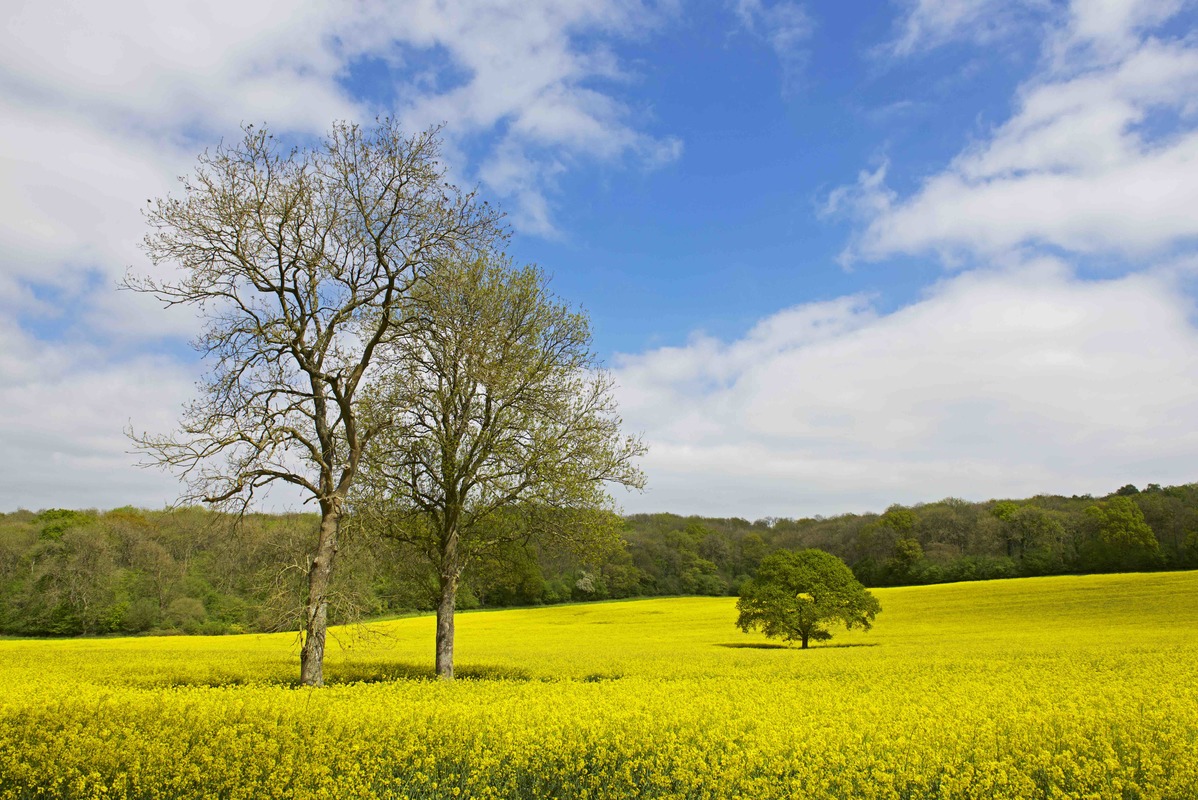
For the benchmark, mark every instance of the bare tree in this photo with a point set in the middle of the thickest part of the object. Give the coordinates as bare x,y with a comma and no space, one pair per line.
497,405
298,260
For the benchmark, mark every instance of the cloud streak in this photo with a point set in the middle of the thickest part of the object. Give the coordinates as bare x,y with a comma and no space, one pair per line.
787,27
529,74
927,24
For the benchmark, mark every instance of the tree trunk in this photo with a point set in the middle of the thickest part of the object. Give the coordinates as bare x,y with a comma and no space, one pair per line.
804,635
445,607
449,590
317,613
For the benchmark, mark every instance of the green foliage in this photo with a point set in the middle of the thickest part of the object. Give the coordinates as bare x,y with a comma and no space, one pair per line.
1123,535
1188,557
908,552
1123,525
141,615
1039,537
899,519
496,424
795,596
186,613
1004,509
119,571
56,521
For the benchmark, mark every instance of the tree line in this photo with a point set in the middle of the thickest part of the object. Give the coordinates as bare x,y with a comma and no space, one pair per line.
192,570
945,541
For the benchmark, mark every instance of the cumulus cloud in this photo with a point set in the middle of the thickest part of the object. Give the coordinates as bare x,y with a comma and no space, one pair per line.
1000,383
1100,156
71,197
104,104
167,67
527,73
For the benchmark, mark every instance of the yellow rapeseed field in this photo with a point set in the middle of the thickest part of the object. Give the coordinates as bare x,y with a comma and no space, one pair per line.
1069,687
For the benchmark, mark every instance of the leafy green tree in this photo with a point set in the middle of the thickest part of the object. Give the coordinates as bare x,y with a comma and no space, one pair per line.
56,521
752,550
795,596
899,519
908,553
1188,555
946,525
622,576
1038,537
186,613
1003,509
1124,540
907,562
496,425
296,260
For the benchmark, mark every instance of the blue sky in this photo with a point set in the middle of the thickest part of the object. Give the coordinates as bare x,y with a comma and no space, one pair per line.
731,231
836,255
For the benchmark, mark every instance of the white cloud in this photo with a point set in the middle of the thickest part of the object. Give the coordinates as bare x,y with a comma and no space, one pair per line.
1097,28
927,24
105,103
999,383
526,73
71,195
1100,156
1109,29
65,406
170,66
787,28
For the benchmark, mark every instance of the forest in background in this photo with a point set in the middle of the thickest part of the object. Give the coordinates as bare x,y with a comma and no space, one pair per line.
129,571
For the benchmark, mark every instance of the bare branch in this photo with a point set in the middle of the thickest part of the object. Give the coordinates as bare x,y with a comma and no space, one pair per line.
300,263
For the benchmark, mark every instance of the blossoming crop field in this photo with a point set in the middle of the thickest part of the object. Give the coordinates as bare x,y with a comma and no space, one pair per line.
1070,687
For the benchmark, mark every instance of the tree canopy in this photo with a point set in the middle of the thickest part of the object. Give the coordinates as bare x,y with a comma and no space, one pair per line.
795,596
491,410
297,261
1124,536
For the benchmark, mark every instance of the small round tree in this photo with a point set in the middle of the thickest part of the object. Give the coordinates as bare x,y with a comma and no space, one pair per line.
795,596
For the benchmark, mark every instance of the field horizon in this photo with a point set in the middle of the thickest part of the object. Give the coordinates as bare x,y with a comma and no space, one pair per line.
1065,686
